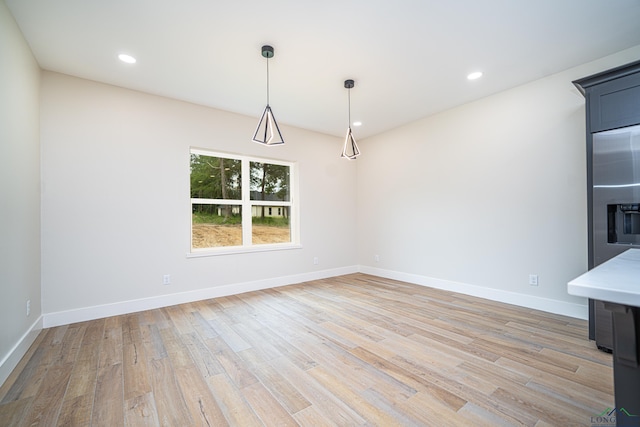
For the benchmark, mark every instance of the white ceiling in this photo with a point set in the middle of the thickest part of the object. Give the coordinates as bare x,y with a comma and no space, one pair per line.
409,58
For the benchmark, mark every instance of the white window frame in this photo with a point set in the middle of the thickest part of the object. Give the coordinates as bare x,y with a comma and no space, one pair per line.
247,207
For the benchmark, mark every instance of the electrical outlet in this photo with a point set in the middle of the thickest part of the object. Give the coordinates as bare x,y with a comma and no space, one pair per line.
533,279
316,261
166,279
28,307
376,258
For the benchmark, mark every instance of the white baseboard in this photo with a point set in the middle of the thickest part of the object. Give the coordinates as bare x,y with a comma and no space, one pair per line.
132,306
579,311
11,360
100,311
49,320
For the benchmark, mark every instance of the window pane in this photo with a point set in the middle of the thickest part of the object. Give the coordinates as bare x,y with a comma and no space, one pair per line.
269,182
270,224
215,178
216,225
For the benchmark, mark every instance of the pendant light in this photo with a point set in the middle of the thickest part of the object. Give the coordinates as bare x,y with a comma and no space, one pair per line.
268,132
350,150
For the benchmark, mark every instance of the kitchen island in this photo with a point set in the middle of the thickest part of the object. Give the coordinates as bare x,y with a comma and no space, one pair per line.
616,282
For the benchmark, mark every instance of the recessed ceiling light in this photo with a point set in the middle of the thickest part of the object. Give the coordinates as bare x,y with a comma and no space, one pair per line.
357,123
127,58
474,76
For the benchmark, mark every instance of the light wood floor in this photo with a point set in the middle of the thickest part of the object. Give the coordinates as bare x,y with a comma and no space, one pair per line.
351,350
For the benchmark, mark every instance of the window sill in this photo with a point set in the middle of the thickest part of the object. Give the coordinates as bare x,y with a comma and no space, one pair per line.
241,250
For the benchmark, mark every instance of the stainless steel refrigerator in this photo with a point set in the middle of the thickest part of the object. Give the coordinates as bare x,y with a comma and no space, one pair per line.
615,207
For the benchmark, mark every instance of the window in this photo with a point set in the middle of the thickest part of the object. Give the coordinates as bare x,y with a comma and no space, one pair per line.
238,202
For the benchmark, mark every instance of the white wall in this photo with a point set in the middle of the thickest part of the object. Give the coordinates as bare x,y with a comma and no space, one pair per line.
478,197
115,204
473,199
19,194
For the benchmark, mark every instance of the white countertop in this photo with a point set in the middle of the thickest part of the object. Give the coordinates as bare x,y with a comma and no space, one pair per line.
616,280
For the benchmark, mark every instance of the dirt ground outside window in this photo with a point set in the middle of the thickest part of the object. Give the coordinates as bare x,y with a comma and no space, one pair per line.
213,235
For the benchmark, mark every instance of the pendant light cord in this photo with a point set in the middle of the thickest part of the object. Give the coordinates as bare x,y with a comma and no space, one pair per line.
267,81
349,123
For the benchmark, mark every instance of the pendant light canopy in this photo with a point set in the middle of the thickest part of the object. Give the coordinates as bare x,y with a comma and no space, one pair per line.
350,150
268,132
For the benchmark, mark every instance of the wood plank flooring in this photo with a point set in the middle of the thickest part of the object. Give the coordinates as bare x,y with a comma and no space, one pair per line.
346,351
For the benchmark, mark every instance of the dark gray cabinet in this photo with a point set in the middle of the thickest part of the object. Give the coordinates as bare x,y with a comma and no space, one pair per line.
613,98
612,102
615,103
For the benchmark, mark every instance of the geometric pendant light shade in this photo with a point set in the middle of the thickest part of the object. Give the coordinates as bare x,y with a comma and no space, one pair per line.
268,131
350,149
